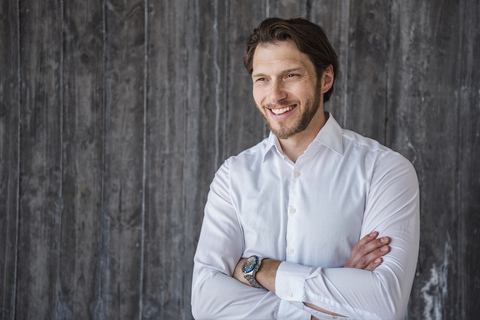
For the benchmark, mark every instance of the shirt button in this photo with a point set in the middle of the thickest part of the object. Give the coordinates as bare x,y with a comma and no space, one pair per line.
290,295
291,250
293,210
297,173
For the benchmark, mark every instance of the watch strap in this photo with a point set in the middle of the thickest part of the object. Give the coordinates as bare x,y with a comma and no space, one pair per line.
250,276
252,280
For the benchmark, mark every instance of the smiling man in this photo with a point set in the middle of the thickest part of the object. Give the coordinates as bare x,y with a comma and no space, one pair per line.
315,221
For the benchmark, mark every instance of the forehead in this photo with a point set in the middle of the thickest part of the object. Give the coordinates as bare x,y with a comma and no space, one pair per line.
277,56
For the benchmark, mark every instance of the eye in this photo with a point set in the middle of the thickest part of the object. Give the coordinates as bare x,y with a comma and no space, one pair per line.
292,75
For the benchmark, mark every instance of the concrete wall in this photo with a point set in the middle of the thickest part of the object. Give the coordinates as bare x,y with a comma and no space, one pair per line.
115,115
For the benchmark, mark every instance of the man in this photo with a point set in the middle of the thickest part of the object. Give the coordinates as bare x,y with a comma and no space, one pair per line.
297,203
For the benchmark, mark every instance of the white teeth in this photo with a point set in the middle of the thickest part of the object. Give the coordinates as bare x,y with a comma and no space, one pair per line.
282,110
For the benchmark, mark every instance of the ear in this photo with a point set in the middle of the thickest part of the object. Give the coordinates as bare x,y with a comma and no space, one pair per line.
327,79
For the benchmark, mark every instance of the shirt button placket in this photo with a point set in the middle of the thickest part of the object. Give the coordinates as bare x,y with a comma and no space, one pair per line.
292,221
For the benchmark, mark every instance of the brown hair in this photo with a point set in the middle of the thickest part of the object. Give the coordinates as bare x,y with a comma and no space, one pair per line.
309,38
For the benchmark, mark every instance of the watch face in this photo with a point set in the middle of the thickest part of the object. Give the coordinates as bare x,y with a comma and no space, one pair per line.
250,264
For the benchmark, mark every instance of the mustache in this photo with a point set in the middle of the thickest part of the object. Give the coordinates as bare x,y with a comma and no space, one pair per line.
279,104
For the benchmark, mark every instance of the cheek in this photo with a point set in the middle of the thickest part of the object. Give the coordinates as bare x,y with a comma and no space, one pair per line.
305,93
258,97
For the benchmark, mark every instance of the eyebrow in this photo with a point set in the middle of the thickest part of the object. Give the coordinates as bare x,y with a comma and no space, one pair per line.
255,75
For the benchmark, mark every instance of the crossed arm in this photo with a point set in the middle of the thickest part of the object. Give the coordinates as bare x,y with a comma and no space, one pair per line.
299,292
366,255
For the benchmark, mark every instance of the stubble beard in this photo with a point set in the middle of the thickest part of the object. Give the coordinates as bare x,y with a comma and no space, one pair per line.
300,124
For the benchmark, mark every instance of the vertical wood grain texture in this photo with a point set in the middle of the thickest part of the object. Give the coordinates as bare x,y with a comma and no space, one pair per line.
367,68
83,158
9,151
121,213
40,159
115,115
433,98
166,145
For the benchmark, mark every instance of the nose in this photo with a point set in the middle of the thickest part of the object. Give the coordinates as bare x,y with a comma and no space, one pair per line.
277,91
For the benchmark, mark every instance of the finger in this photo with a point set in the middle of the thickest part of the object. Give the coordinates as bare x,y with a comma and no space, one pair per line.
372,257
359,249
365,246
374,264
373,245
368,238
363,254
376,244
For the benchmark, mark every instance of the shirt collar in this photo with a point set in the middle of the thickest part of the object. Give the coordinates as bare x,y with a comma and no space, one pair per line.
271,144
331,136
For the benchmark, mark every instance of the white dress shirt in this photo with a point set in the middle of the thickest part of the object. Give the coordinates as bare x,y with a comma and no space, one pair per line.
309,214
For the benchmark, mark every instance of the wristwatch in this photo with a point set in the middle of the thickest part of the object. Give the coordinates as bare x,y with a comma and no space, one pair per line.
250,268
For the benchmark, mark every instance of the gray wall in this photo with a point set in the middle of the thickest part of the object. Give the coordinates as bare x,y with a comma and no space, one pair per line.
115,115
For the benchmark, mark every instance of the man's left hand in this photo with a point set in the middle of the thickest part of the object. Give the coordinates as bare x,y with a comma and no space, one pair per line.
367,253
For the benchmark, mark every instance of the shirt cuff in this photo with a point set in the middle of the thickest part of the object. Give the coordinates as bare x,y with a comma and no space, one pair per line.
290,281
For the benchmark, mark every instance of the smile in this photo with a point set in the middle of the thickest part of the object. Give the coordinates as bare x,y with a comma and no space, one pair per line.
279,111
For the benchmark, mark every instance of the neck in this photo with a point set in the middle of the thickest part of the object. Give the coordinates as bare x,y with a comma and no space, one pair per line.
293,147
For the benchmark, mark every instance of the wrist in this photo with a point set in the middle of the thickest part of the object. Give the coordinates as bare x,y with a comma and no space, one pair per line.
267,273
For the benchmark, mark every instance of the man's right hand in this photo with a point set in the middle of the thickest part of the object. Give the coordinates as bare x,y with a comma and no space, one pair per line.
367,253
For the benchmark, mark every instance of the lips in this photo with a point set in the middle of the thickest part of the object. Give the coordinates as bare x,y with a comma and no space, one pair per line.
280,111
